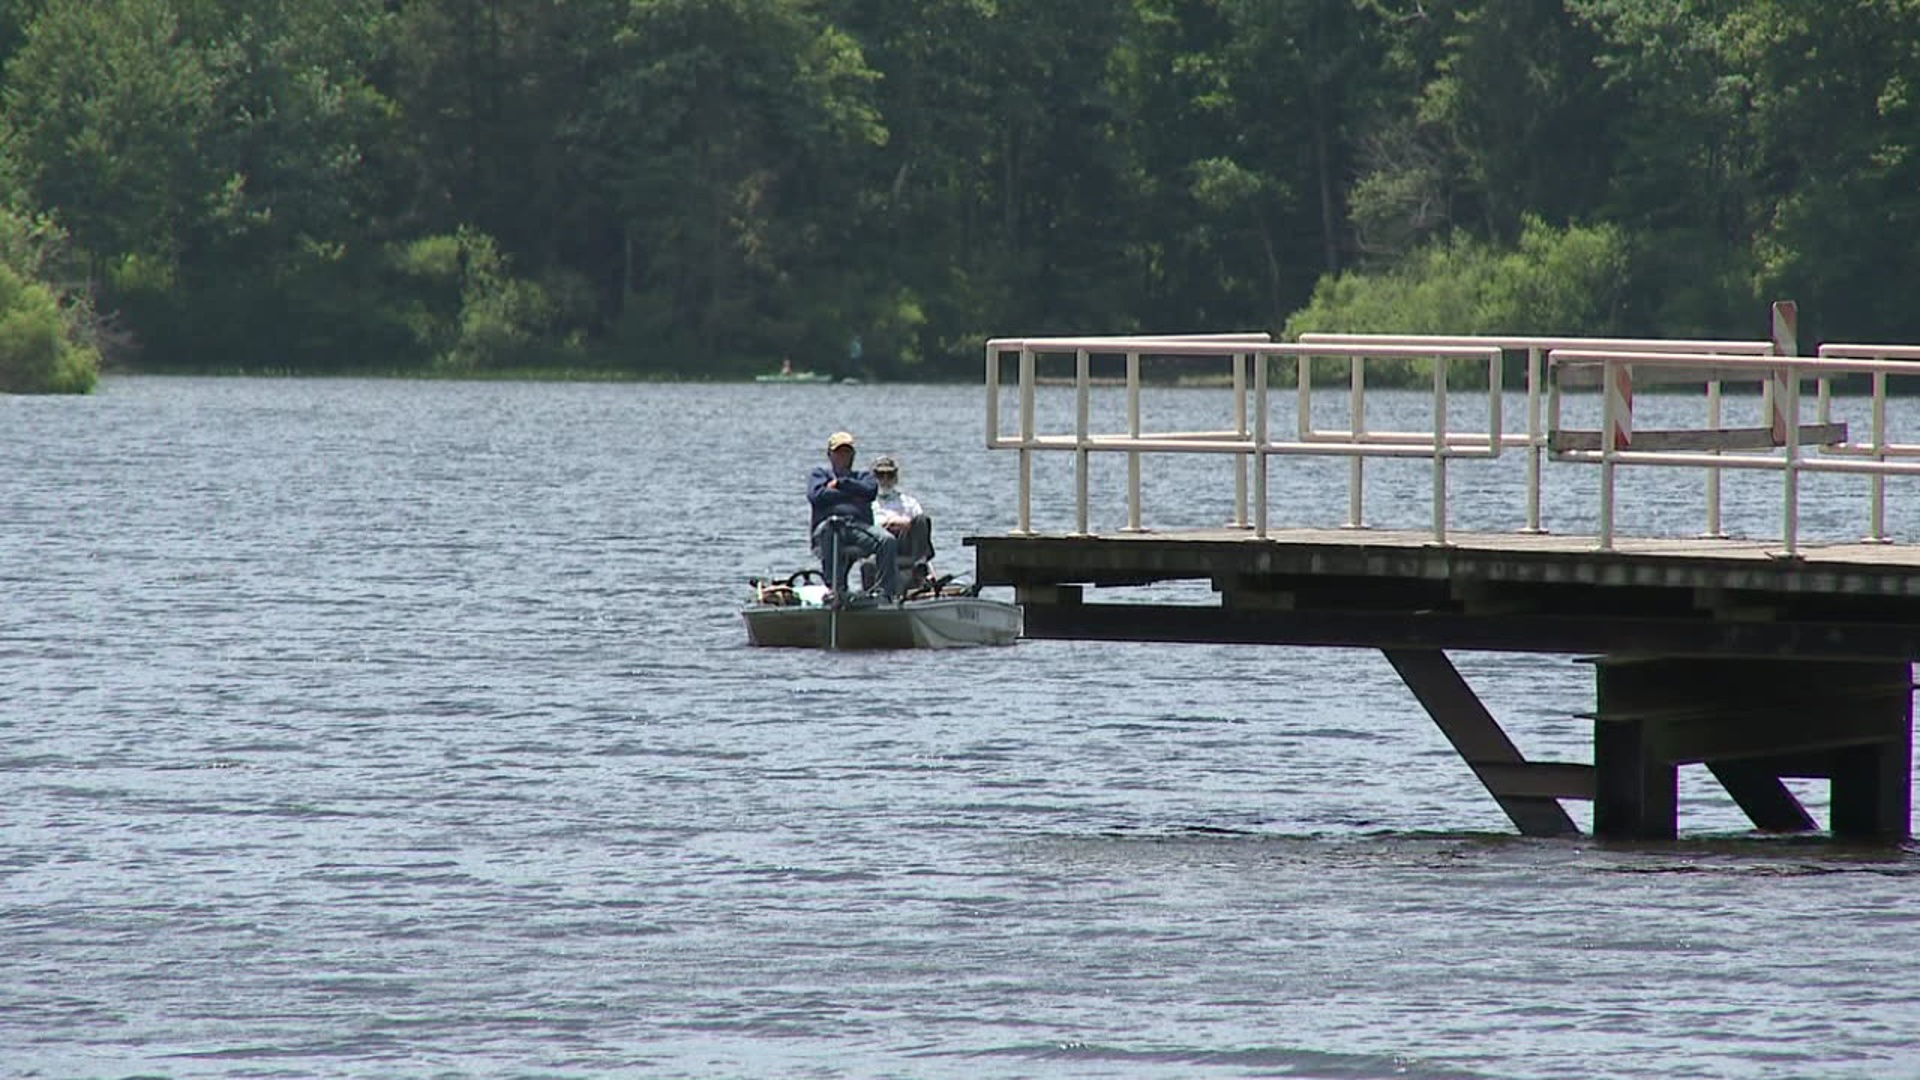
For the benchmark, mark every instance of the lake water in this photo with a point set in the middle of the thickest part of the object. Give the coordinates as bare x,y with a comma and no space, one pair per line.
393,729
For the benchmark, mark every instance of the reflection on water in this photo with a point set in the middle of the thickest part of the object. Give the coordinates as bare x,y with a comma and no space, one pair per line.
377,728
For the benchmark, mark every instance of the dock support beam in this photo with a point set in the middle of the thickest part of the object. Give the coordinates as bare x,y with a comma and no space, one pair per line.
1753,722
1872,797
1756,713
1636,791
1755,784
1529,792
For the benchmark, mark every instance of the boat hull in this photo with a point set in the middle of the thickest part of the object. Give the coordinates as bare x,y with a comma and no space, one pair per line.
944,622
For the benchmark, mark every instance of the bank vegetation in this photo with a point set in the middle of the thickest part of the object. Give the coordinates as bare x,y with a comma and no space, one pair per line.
699,188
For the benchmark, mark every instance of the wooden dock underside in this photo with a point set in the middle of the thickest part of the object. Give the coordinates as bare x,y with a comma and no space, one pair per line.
1129,557
1491,591
1719,652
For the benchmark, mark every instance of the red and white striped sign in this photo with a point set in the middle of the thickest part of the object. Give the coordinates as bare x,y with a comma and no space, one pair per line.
1786,342
1620,401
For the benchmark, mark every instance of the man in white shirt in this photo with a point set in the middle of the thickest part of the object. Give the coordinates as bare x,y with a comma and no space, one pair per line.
901,514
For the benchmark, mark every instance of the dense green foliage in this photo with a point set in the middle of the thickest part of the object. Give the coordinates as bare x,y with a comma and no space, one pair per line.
873,186
47,333
1566,282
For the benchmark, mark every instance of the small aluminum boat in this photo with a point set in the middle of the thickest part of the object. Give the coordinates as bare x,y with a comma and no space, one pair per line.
795,613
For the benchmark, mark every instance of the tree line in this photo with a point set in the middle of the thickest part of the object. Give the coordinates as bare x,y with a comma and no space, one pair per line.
873,187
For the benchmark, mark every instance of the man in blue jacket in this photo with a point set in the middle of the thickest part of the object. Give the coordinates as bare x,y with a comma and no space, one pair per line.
843,528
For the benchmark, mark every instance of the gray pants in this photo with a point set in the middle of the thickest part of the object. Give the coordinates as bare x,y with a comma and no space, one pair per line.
916,550
916,544
844,541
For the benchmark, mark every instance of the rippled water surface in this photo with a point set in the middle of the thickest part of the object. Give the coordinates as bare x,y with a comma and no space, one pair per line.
378,729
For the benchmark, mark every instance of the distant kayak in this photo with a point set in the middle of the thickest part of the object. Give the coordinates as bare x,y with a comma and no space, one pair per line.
786,374
794,377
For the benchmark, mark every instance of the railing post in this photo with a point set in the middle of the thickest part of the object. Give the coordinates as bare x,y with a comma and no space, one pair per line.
1789,405
1260,417
1496,403
1082,380
993,394
1439,450
1785,327
1356,466
1133,432
1026,442
1879,508
1536,439
1240,430
1608,445
1303,396
1714,531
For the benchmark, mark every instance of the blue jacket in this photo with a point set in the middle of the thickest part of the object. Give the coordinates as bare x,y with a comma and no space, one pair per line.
852,497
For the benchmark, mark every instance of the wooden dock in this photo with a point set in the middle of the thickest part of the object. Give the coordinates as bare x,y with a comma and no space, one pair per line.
1720,652
1764,660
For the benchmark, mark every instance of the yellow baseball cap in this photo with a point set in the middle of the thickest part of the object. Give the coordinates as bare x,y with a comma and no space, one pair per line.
839,439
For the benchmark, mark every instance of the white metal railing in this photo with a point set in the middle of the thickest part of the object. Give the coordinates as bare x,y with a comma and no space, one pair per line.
1131,346
1554,363
1246,441
1715,450
1537,346
1879,449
